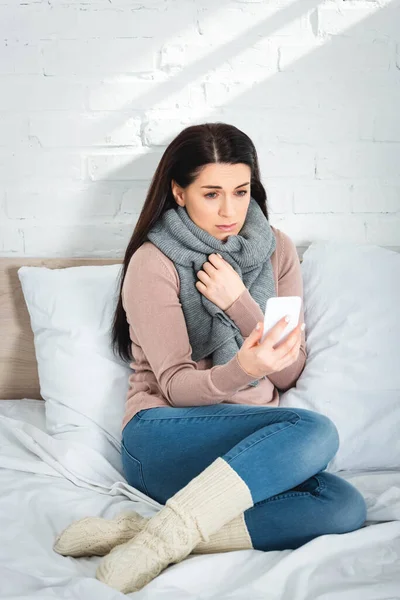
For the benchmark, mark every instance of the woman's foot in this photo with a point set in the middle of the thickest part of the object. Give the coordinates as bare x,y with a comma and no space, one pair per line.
167,538
95,536
131,566
216,496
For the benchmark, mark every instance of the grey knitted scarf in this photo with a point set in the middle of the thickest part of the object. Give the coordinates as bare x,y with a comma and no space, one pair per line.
210,330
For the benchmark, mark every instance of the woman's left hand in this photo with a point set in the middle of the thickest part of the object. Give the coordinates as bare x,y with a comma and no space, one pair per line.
219,282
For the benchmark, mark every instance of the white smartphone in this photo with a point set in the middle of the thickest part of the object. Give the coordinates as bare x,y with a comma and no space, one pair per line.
277,308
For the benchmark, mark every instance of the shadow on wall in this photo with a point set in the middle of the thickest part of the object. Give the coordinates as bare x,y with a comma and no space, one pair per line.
315,119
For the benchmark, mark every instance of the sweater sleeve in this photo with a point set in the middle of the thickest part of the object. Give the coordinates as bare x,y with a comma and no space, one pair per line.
153,309
290,283
245,313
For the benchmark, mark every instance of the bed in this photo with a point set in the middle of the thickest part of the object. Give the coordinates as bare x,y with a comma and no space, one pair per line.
44,488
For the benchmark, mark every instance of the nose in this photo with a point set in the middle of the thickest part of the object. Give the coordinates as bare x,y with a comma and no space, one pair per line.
226,210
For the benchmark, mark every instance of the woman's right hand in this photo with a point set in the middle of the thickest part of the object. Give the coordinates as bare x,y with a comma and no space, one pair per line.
260,359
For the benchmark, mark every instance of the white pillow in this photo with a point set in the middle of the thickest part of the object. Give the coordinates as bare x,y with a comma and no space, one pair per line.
83,383
352,373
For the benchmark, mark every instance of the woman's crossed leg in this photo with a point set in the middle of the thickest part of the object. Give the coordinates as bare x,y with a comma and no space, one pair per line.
280,453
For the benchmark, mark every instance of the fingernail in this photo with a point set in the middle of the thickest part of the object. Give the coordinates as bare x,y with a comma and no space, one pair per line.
258,326
287,318
303,326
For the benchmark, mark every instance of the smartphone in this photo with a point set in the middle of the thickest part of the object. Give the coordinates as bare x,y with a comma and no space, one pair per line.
277,308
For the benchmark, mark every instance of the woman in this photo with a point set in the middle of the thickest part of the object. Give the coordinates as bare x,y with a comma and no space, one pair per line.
202,432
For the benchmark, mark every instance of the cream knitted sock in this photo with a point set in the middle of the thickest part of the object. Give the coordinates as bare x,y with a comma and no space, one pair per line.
96,536
192,515
232,536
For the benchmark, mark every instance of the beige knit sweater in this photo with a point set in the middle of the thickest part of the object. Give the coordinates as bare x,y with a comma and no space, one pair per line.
164,373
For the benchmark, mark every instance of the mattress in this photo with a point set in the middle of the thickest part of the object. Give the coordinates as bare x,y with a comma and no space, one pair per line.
46,485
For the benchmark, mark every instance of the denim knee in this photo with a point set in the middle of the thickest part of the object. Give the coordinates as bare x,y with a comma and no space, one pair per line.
348,511
322,439
331,432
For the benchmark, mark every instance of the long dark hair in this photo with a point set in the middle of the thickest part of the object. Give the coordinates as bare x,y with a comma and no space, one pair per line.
182,161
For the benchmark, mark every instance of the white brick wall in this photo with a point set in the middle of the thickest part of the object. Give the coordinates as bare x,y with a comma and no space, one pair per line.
92,91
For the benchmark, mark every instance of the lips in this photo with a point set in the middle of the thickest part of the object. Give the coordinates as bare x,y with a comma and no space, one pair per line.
226,226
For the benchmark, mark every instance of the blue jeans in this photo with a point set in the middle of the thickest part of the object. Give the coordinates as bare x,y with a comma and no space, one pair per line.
280,453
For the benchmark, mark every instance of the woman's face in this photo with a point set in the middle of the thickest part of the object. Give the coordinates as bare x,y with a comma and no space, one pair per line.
219,196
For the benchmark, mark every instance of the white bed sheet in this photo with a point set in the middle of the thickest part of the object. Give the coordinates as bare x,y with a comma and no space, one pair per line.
46,485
